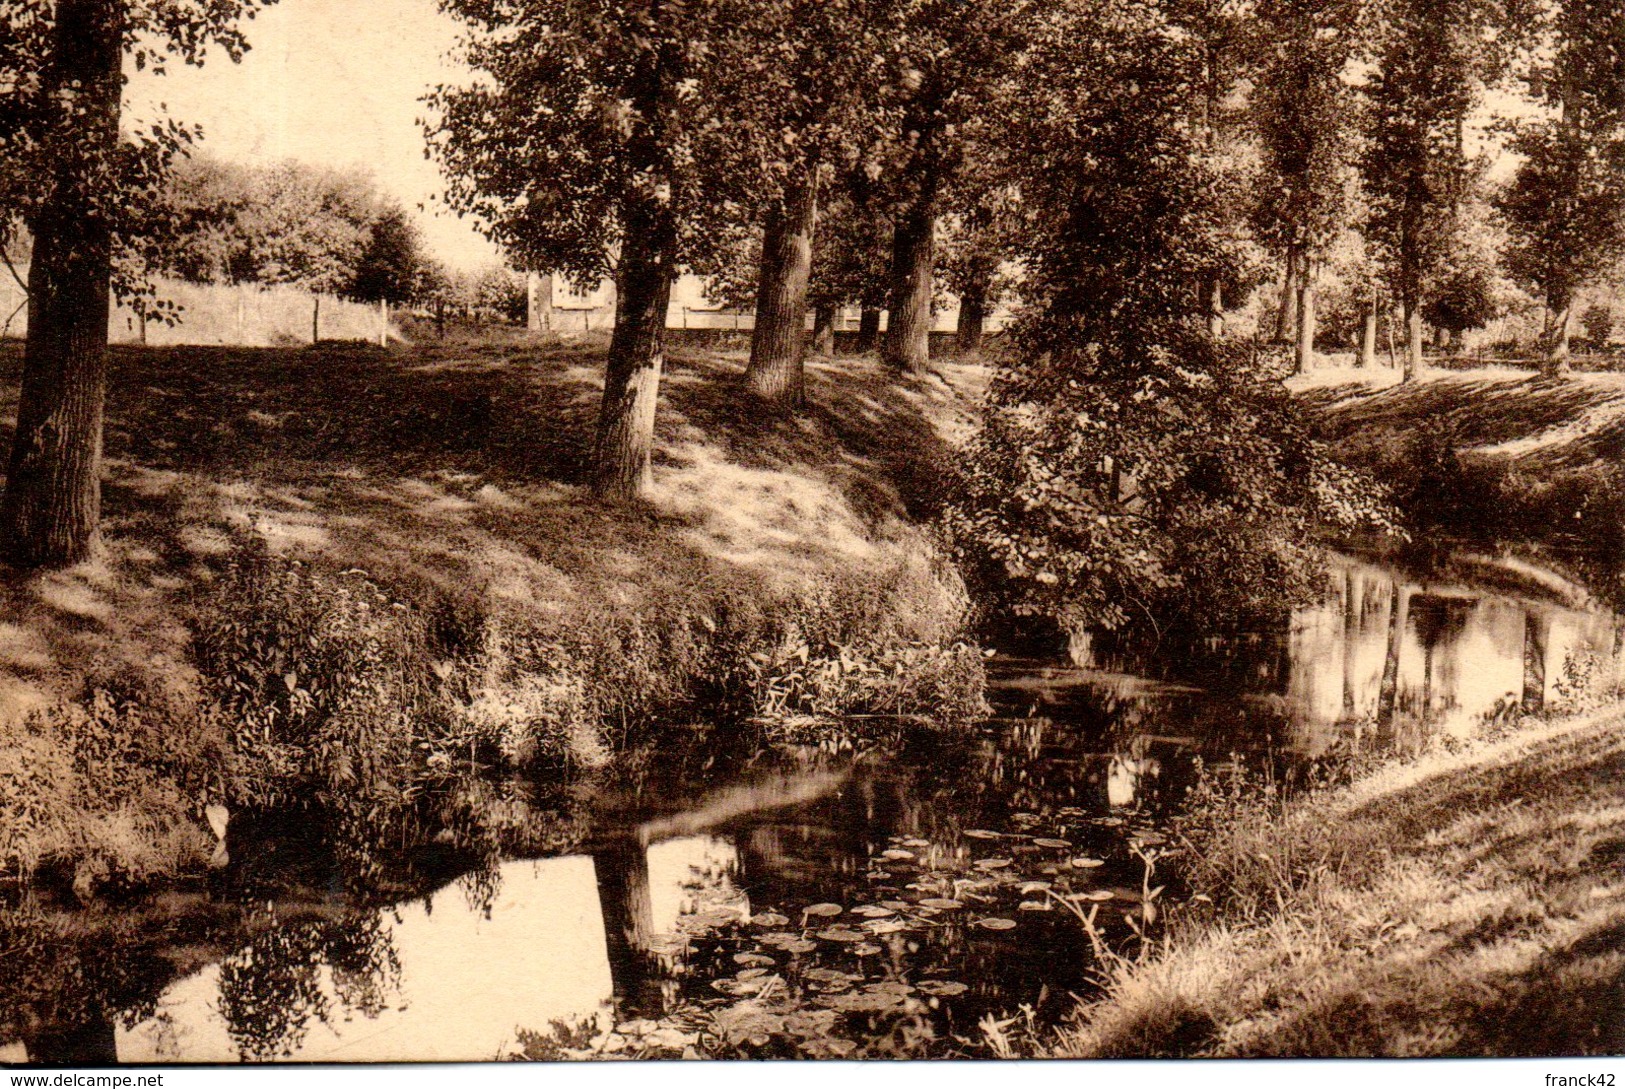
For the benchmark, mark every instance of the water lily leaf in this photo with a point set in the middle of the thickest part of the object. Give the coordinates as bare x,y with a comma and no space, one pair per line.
810,1022
738,988
779,937
747,1022
941,988
823,910
1058,844
942,904
897,854
996,924
866,949
800,945
886,926
1030,887
832,1047
890,986
980,833
841,934
1098,896
769,919
897,905
1033,905
753,960
873,911
1087,863
863,1002
830,975
915,841
750,973
992,863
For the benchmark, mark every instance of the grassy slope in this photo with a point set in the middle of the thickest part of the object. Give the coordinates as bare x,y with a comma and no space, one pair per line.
1498,412
1467,905
455,472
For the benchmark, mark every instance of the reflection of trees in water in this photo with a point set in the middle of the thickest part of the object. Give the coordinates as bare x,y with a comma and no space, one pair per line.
271,991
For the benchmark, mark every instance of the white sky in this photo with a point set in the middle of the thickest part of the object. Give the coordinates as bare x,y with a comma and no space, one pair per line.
332,82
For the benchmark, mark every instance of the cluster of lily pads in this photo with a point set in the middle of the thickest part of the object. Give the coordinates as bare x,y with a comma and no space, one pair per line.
836,980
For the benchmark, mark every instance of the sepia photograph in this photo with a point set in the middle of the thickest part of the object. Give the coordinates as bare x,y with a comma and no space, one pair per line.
974,530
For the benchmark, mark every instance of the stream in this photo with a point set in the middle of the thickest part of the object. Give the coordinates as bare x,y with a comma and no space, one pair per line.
824,903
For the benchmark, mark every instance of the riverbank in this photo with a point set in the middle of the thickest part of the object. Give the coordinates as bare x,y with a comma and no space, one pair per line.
1471,903
315,553
1493,457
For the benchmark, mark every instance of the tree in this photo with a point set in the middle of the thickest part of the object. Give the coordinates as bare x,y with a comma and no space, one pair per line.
1132,467
806,84
79,189
582,151
1305,113
1434,58
1565,207
952,56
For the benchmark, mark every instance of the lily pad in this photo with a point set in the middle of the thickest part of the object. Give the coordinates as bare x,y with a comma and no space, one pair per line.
769,918
830,975
1087,863
873,911
996,924
1033,905
866,949
750,973
942,904
747,1022
992,863
1058,844
941,988
897,855
980,833
1030,887
896,905
753,960
841,934
827,911
886,926
915,841
800,945
1098,896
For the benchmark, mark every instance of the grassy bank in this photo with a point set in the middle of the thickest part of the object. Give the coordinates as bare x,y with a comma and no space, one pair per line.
1492,456
1469,903
333,576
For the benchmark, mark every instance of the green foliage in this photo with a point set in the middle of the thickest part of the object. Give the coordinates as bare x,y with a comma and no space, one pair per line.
106,788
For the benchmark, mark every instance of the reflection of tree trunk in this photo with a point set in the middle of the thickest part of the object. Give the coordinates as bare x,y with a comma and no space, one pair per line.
1388,694
87,1042
1351,634
1536,627
622,870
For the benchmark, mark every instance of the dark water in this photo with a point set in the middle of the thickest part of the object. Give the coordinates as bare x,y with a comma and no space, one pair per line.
819,903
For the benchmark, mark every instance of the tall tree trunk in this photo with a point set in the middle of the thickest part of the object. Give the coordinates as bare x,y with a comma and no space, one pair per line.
316,317
1560,309
637,353
383,323
1306,318
908,334
1214,293
823,330
539,302
1368,341
868,328
1413,339
778,344
1286,315
52,501
972,319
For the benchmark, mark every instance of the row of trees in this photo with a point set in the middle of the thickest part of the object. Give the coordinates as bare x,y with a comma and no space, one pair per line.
820,154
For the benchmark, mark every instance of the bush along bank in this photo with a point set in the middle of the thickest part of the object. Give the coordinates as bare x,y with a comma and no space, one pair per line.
379,720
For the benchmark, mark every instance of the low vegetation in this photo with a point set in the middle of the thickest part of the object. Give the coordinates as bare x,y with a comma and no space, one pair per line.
371,574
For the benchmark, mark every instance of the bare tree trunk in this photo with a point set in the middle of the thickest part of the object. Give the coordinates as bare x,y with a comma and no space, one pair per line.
1306,318
778,343
1286,315
52,501
538,302
1215,308
972,320
824,331
868,329
1560,308
637,353
1368,342
908,335
1413,340
316,317
383,323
